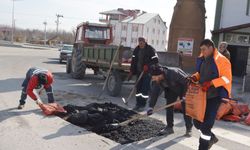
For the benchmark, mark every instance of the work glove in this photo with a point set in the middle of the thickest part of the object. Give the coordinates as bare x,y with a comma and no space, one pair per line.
150,111
206,85
192,79
130,75
39,102
145,68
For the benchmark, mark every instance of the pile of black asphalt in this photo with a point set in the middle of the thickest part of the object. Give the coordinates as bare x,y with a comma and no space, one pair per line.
99,118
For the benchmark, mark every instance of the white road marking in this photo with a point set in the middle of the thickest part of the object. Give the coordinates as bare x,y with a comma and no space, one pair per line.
235,137
193,143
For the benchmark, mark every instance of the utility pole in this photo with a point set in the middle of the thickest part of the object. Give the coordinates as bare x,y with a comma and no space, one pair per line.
45,36
57,22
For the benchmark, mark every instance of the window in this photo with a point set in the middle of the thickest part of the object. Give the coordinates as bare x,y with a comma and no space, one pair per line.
157,42
154,20
241,39
159,21
147,30
153,42
162,42
135,28
248,8
124,39
124,27
97,33
159,31
163,32
153,30
79,34
133,40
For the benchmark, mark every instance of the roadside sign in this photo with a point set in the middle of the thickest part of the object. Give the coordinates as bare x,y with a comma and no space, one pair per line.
185,45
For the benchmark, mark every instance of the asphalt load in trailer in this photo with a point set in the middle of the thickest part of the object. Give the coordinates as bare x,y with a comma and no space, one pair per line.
99,117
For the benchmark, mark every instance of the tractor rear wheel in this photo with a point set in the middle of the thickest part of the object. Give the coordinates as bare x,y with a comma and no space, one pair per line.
78,68
114,83
68,65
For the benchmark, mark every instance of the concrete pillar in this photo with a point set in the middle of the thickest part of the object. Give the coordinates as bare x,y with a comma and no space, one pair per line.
246,82
188,21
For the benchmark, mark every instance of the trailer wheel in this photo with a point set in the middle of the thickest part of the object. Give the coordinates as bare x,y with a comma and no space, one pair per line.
114,84
68,65
78,68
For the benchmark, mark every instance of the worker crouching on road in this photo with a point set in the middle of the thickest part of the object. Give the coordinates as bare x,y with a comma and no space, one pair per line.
174,82
144,55
36,78
215,76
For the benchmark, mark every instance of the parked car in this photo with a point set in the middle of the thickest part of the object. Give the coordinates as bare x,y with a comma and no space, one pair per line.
64,51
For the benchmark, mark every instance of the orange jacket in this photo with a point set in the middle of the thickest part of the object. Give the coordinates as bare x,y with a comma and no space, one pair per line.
224,73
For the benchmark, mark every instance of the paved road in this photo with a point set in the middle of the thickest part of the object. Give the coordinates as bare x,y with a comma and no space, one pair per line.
29,129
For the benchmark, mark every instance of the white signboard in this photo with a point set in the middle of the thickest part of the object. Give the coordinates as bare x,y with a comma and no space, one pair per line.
185,45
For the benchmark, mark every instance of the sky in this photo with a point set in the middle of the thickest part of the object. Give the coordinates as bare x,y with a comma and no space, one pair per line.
30,14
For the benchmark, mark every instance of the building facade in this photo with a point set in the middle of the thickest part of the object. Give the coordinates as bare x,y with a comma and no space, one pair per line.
128,27
232,24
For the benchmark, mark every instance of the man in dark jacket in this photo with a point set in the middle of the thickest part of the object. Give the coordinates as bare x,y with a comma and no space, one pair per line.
174,82
223,50
36,78
144,55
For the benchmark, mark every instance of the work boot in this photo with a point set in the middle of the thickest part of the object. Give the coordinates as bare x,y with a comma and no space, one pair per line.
20,106
166,131
138,108
213,140
188,132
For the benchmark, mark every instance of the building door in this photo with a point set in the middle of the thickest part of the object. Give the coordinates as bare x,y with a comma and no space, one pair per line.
239,56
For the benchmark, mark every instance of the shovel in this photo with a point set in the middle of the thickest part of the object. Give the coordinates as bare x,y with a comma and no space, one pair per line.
109,71
136,117
133,90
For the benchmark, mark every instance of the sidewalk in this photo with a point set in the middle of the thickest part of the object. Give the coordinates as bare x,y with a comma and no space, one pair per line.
237,92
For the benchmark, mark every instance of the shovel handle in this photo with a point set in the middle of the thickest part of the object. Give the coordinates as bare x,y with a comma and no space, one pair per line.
136,83
145,115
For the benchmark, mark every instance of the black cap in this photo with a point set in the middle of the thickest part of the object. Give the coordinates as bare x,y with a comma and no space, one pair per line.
155,69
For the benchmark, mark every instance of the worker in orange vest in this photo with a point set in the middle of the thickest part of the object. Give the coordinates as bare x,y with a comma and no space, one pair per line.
215,75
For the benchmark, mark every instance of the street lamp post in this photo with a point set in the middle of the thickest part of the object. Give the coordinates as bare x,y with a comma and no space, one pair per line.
12,29
45,36
13,21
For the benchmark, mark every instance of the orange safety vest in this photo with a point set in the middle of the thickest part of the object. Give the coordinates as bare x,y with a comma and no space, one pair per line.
224,73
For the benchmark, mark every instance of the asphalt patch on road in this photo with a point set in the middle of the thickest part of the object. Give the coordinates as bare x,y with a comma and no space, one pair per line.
99,117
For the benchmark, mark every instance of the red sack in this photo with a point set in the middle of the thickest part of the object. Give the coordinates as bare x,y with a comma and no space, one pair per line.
224,109
178,107
232,118
247,121
244,109
195,102
51,108
236,110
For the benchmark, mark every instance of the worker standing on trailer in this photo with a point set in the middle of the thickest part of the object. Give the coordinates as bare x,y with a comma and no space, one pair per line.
215,76
174,82
143,56
36,78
